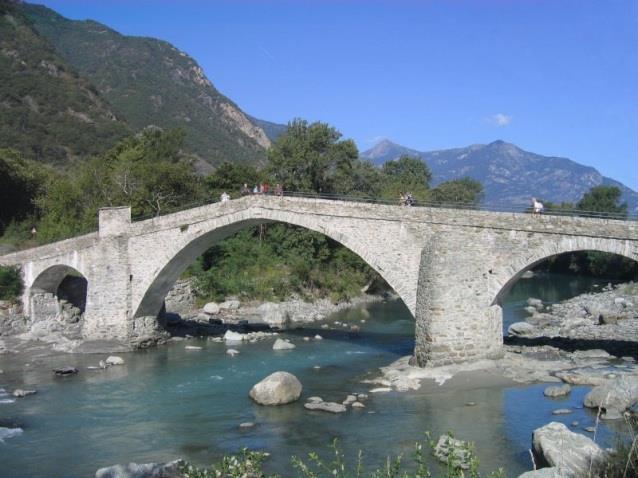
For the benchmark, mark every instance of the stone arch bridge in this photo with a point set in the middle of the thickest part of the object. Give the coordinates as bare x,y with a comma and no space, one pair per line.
450,267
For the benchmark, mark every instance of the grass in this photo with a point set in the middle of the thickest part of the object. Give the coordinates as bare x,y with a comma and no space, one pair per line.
249,464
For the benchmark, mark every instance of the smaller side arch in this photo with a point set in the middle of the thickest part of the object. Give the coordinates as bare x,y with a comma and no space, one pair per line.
523,263
54,284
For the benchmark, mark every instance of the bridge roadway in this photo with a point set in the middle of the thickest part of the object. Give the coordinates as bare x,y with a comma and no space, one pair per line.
451,267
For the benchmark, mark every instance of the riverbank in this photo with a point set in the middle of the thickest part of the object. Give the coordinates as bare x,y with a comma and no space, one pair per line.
61,329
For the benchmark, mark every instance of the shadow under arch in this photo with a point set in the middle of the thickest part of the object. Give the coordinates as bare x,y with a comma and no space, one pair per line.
507,286
153,299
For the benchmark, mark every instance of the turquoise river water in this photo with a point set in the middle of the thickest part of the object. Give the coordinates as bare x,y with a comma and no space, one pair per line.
169,402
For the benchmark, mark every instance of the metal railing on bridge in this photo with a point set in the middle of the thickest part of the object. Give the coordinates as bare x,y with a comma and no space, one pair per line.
553,211
503,208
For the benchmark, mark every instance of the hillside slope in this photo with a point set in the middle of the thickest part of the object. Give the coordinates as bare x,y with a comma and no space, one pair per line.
48,112
150,82
510,175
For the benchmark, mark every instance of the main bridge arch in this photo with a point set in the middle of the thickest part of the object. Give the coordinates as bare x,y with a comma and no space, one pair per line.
174,249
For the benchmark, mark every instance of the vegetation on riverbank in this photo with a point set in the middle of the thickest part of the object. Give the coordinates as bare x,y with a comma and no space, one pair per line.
10,283
461,462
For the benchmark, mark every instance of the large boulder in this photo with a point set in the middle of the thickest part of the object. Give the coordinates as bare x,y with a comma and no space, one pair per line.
273,314
557,390
114,360
615,396
211,308
146,470
231,336
230,304
542,473
555,445
521,329
278,388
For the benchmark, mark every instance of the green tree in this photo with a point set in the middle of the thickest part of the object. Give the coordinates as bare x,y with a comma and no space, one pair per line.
147,172
230,177
310,157
10,283
603,199
463,191
20,182
406,174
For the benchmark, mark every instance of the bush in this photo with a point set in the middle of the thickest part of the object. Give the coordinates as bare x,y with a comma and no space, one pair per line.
623,463
249,465
11,285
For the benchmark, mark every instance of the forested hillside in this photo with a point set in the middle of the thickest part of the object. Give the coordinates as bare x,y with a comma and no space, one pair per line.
48,112
150,82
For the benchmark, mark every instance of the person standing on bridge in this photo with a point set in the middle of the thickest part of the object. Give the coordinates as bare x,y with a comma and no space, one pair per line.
225,197
279,190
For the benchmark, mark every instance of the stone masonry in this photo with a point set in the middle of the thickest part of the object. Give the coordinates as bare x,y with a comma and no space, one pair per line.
450,267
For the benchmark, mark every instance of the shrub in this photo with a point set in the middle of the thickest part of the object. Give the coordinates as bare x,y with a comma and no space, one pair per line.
10,283
249,465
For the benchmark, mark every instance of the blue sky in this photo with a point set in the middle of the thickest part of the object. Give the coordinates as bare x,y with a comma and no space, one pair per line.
556,77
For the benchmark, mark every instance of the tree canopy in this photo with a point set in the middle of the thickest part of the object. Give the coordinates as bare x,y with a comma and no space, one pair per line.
603,199
458,191
311,157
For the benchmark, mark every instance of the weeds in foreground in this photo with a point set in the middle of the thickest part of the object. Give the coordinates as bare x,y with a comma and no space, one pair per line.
623,461
460,461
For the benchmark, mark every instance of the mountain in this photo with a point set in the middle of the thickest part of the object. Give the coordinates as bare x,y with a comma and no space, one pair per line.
509,174
272,130
48,111
150,82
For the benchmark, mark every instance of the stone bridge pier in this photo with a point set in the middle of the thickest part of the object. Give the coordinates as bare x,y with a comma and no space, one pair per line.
450,267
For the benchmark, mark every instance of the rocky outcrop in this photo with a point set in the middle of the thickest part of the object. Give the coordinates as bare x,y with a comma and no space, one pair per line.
611,314
615,396
181,298
278,388
554,445
147,470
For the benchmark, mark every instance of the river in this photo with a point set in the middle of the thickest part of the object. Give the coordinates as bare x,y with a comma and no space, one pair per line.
170,402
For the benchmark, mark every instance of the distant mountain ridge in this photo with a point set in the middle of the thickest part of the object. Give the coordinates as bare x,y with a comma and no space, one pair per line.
509,174
150,82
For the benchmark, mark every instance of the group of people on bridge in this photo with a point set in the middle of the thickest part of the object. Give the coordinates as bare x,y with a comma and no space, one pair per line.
406,199
261,188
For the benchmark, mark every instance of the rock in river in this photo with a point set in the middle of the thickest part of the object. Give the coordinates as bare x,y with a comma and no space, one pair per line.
282,345
331,407
614,396
147,470
453,450
278,388
19,393
114,360
572,453
557,390
231,336
65,370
